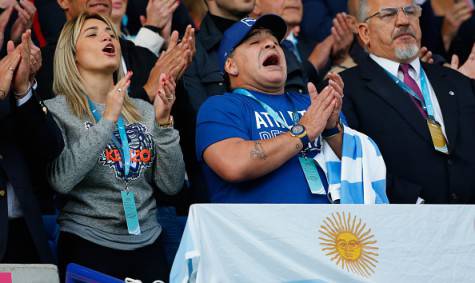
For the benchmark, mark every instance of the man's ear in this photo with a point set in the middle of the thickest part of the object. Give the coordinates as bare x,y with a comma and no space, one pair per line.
64,4
230,67
363,32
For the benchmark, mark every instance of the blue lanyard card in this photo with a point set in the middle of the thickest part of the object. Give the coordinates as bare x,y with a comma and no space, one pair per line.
131,216
311,175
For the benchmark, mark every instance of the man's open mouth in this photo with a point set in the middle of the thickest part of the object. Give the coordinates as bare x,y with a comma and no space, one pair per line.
271,60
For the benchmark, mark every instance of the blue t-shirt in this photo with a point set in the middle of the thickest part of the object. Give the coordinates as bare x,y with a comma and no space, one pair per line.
235,115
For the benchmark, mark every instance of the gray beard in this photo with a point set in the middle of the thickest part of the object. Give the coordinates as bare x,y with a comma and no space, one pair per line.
407,52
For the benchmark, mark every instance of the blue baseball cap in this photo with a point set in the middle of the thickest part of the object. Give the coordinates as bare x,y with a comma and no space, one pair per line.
234,35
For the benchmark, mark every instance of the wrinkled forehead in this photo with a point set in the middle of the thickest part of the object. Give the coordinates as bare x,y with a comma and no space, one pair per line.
375,5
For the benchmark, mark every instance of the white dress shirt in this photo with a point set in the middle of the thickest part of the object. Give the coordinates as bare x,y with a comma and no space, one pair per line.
415,73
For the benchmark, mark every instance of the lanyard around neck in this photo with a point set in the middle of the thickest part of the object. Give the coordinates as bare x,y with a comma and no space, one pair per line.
427,102
123,145
270,110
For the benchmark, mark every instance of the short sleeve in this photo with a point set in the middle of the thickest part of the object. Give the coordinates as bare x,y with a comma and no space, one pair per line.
219,118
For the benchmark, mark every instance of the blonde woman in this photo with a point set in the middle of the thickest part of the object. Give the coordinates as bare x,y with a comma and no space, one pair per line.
117,149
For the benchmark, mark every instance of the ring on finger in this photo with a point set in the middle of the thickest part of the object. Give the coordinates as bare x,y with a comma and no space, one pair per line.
119,90
170,97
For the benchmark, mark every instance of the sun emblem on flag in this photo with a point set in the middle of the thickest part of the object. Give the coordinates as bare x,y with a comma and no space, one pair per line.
349,243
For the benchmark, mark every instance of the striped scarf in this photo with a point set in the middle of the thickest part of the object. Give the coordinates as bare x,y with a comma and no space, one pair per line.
360,176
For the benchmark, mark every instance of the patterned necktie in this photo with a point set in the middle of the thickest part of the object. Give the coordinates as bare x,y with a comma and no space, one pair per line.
289,45
410,82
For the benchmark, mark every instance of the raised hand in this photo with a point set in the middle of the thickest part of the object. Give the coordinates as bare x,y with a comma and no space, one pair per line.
343,36
21,80
8,66
174,61
165,98
35,59
115,98
336,83
425,55
159,14
468,68
460,12
321,107
4,18
26,11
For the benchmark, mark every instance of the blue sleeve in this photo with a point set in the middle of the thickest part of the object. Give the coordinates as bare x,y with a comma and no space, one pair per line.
220,118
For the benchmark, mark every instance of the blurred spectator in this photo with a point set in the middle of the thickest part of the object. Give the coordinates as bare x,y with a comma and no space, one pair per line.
140,60
203,79
137,8
120,149
21,19
419,114
318,17
31,139
160,11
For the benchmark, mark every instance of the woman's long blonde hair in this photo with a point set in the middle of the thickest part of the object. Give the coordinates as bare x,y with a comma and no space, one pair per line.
67,79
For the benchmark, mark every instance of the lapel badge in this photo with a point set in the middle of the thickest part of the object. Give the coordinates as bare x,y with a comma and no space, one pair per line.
451,93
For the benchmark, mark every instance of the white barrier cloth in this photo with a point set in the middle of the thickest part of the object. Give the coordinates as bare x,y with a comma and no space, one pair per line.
326,243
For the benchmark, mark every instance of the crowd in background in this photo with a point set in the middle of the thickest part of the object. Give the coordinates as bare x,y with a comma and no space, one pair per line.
73,73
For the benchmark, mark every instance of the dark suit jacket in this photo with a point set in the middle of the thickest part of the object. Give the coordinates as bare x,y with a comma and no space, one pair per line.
138,59
29,140
376,106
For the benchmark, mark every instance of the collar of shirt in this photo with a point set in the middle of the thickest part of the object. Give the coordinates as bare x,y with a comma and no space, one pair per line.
291,37
393,67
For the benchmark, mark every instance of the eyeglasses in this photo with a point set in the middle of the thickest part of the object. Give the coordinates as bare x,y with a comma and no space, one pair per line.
390,14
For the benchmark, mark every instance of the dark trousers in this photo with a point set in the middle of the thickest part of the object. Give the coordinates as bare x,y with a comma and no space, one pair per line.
20,245
146,264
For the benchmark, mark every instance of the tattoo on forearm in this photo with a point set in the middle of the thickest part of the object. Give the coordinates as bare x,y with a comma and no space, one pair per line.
258,151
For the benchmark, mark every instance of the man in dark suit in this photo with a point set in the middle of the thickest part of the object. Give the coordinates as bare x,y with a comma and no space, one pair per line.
30,138
421,116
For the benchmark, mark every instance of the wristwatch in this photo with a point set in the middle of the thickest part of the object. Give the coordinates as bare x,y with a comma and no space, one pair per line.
332,132
298,130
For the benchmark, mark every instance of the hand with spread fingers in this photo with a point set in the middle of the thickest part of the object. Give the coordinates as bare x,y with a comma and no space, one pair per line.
164,99
343,36
4,18
26,11
174,61
453,19
8,65
115,98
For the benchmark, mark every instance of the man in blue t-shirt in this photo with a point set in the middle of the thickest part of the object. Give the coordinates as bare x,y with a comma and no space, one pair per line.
256,144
